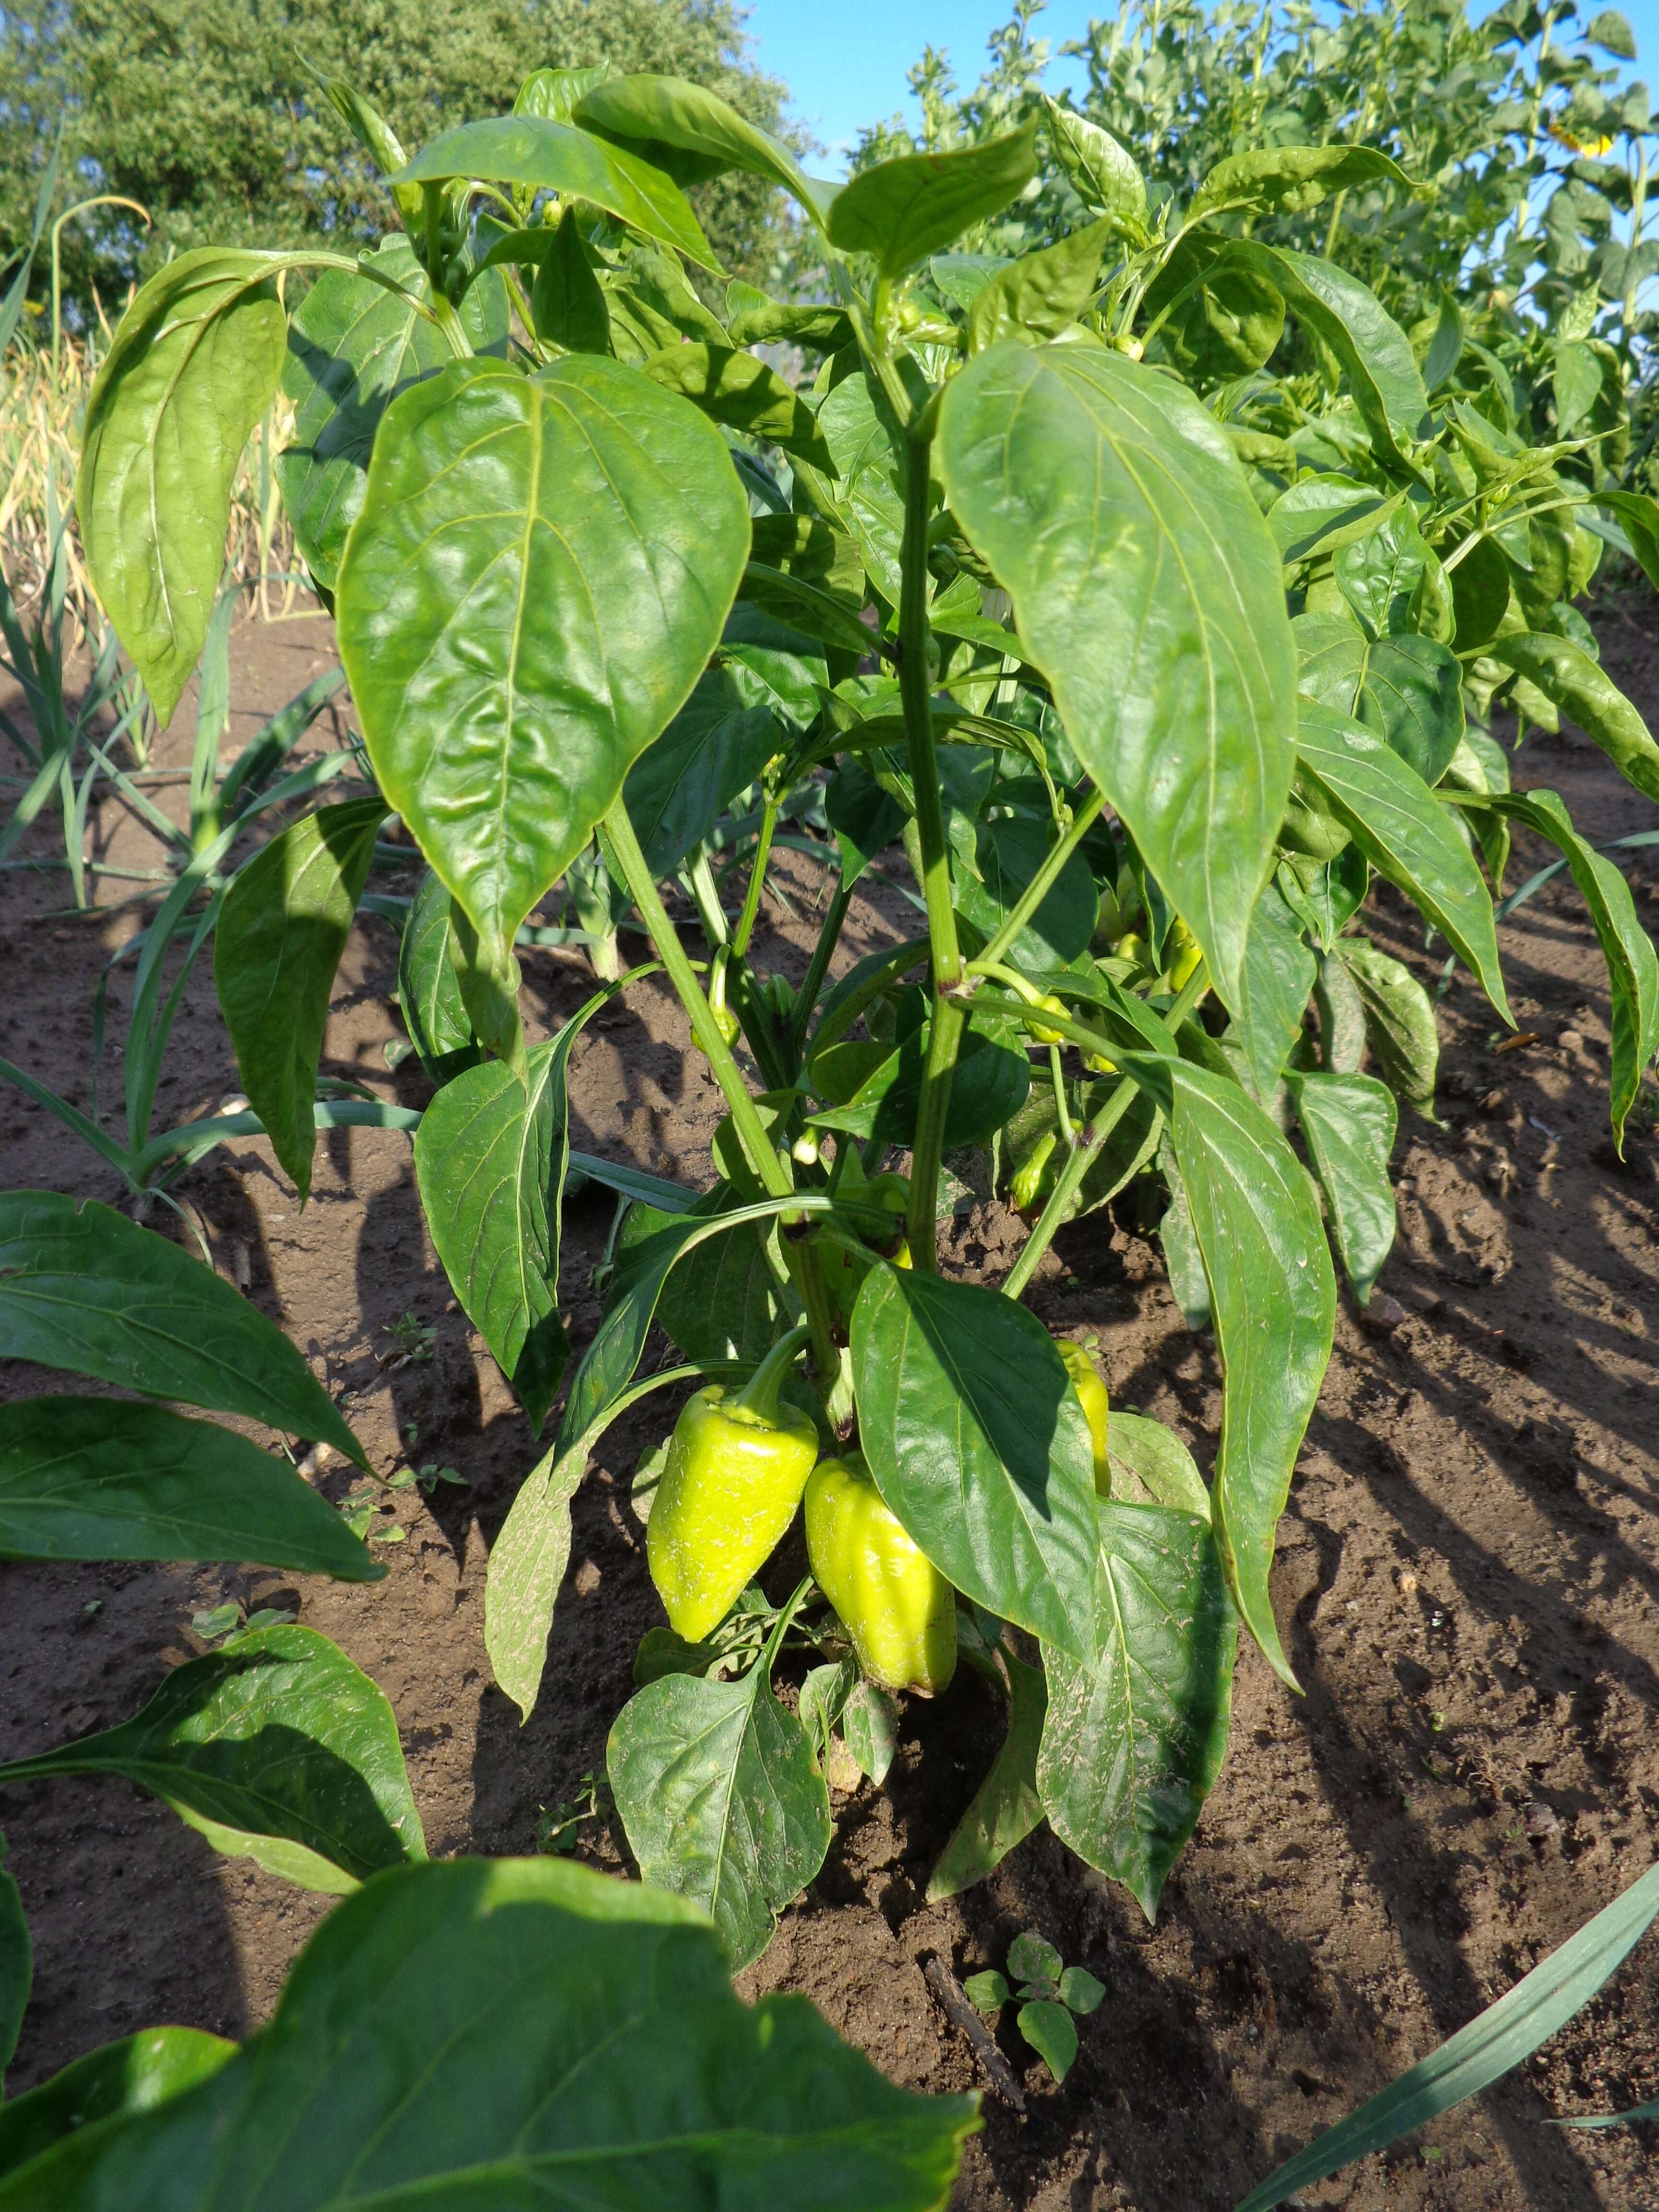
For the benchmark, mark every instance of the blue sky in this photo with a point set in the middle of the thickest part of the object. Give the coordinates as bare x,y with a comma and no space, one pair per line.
845,61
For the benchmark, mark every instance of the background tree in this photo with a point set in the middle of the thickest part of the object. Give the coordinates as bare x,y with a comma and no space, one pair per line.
207,114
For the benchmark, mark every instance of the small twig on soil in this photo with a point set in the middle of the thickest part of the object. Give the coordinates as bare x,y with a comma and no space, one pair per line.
953,2002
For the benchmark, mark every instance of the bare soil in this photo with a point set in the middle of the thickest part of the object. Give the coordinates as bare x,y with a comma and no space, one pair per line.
1466,1580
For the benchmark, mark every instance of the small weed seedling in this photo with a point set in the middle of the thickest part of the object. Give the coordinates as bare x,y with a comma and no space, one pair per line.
1050,1994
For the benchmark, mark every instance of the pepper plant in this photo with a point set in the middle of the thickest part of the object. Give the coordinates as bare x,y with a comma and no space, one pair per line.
1152,658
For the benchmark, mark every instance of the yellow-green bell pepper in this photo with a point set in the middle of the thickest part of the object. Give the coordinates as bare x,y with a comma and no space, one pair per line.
1091,1393
899,1610
736,1466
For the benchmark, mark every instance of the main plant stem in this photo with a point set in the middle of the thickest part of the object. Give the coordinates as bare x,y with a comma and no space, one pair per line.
950,1018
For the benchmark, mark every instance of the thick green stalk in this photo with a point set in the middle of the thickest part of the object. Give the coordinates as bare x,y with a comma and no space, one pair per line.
1041,884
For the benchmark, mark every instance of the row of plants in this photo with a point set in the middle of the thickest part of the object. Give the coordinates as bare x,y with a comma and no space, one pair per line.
1152,661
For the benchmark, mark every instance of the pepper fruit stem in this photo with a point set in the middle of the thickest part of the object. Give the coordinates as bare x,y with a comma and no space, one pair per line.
759,1395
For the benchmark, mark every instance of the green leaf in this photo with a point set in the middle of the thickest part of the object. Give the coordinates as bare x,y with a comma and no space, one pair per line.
1406,833
428,989
1292,177
721,1798
16,1977
1052,457
545,155
1219,320
1321,513
1381,369
1349,1121
1006,1807
1041,294
693,133
134,2075
1279,973
1102,174
715,748
1273,1297
103,1479
738,389
352,347
194,364
978,1442
83,1288
1047,2027
1400,1026
567,302
1393,581
1079,1992
1133,1743
1150,1466
1632,965
989,1085
282,930
275,1748
869,1727
1639,513
1032,1958
557,92
1480,595
1009,852
519,2031
1408,689
987,1992
527,1562
1611,32
1570,680
901,211
543,567
1494,2042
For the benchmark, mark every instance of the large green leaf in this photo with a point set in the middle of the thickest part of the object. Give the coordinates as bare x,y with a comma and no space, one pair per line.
739,389
900,211
1008,853
1039,296
714,747
1382,369
1279,973
542,568
500,2034
1150,1466
1211,318
1272,1297
1293,177
1006,1807
1406,833
83,1288
1400,1026
721,1798
978,1442
16,1974
103,1479
527,1562
1408,689
694,134
282,930
1578,685
194,365
352,346
1146,586
1632,965
428,989
545,155
1101,172
277,1748
1349,1121
724,1300
133,2075
1131,1743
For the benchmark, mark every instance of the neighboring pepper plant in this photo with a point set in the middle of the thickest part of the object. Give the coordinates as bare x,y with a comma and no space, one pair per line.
1049,1993
1152,658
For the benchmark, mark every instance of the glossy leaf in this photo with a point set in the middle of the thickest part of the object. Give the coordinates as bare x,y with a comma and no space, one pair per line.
134,2075
1293,178
1217,320
1320,513
978,1442
1571,681
194,364
715,748
1406,834
83,1288
739,390
1349,1122
1008,853
1273,1298
1393,581
557,92
282,930
103,1479
545,155
1041,293
1638,511
1150,1466
1006,1807
1090,484
1279,973
694,134
1382,369
1399,1025
543,566
1133,1743
1408,689
276,1749
989,1085
428,989
901,211
519,2031
721,1799
1632,965
352,346
16,1975
1048,2028
1101,171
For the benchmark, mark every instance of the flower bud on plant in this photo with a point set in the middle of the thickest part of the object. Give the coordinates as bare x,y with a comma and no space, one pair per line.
900,1612
725,1020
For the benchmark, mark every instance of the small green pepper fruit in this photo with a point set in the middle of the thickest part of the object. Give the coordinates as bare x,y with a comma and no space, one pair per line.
1091,1393
735,1472
725,1020
1027,1183
892,1600
1048,1003
1182,954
